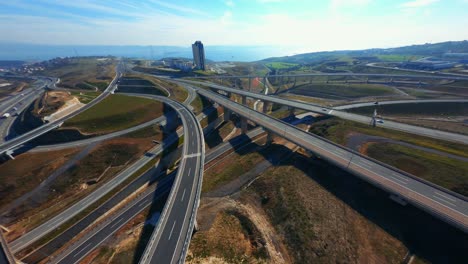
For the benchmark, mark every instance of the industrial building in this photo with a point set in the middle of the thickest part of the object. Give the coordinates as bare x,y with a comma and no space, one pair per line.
198,55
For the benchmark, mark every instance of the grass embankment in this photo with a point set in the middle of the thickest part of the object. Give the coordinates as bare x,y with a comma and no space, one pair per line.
116,112
280,65
83,73
137,84
26,171
85,97
232,237
113,157
177,92
342,90
448,172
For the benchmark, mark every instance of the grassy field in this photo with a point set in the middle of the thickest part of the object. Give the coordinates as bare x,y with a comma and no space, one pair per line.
114,113
280,65
337,130
447,172
85,97
178,93
398,58
336,91
83,73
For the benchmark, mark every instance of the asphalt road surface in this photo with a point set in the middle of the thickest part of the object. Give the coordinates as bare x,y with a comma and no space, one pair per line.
97,236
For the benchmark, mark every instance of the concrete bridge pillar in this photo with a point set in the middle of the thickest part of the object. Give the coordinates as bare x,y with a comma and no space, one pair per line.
291,111
295,80
265,107
269,138
310,80
244,99
250,83
227,114
243,125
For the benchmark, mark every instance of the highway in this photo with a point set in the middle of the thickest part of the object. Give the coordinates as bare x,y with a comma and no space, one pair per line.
170,238
403,76
442,203
393,102
98,235
20,140
437,134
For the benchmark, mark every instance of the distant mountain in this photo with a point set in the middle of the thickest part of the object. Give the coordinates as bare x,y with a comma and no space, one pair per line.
33,52
436,50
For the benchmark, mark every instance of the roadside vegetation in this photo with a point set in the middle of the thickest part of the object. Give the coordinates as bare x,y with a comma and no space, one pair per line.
443,170
85,97
86,73
116,112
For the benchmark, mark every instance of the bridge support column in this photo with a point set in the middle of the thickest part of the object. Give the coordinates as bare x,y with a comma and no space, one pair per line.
243,125
291,111
295,80
250,83
265,107
310,80
227,114
244,99
269,138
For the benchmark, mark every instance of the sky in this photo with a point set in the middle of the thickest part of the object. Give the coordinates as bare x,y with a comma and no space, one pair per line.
303,25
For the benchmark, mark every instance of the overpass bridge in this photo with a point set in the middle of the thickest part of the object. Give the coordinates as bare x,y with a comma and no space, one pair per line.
437,134
442,203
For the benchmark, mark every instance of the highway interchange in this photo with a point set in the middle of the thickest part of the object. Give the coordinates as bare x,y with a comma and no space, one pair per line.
175,226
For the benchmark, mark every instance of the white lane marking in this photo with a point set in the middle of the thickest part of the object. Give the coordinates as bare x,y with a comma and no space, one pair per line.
403,182
399,177
141,204
192,155
183,195
443,200
445,196
172,229
79,252
116,223
190,169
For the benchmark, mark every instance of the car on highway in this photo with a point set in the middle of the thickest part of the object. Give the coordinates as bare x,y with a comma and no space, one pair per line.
379,121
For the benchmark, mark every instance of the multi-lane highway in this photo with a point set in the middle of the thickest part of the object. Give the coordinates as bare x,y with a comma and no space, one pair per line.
98,235
440,202
170,239
341,114
393,102
347,74
20,140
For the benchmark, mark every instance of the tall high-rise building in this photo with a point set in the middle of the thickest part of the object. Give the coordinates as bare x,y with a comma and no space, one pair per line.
198,55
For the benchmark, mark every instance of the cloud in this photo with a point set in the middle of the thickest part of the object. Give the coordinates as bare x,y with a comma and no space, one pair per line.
335,4
229,3
418,3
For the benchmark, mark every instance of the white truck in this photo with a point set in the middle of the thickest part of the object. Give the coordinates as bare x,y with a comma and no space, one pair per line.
6,115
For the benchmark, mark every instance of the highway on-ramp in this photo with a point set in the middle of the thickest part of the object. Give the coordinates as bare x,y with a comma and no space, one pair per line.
341,114
20,140
442,203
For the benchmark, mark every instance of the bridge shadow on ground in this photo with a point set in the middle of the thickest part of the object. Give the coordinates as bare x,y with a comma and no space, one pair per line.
424,235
